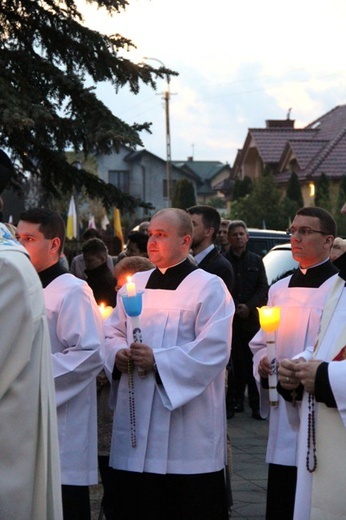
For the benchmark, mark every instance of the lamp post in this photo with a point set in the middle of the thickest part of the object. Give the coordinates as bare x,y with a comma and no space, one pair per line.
168,133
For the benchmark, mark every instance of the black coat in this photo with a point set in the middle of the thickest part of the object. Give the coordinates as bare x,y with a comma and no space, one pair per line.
102,283
251,287
216,263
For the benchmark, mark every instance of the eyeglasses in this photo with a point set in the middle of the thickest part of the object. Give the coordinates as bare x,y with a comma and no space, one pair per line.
303,231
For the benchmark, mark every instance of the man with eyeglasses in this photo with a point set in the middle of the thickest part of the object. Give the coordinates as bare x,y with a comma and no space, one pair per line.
301,297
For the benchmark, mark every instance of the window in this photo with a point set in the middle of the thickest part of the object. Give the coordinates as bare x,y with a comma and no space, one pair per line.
120,179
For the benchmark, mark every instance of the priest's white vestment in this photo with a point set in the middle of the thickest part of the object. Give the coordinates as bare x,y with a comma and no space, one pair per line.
301,310
29,454
321,495
76,333
181,423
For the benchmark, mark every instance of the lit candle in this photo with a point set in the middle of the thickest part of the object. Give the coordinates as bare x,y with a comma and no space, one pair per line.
105,310
270,321
130,287
269,318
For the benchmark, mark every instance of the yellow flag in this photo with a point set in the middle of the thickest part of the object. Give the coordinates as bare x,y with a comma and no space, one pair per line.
118,232
71,228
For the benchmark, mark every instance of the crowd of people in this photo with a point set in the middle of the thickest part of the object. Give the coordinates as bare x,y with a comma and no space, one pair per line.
142,397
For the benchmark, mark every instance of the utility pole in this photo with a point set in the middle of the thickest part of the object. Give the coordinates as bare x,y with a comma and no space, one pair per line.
168,146
167,96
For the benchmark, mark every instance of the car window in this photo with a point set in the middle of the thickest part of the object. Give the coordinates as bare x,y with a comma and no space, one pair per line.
279,263
263,241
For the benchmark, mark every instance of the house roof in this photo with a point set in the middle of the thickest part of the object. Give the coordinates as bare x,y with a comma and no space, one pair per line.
330,124
271,141
318,148
331,160
205,170
304,150
137,155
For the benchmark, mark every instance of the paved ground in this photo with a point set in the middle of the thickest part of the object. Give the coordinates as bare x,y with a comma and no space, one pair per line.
249,476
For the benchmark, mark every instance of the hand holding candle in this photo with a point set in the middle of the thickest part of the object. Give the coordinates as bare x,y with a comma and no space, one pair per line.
269,320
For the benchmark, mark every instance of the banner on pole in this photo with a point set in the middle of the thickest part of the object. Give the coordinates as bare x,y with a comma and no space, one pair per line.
118,232
71,228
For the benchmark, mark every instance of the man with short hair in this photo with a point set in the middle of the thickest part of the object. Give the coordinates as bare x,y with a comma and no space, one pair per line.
143,226
137,244
222,235
99,276
250,291
169,434
76,334
206,223
77,265
301,298
317,379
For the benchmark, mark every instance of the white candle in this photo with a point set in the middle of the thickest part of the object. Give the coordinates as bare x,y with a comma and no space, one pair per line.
131,287
270,321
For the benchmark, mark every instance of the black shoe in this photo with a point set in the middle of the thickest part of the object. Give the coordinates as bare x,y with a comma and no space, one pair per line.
239,407
256,415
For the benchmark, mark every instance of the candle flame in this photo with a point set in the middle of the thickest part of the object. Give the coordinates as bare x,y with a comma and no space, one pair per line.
269,318
105,310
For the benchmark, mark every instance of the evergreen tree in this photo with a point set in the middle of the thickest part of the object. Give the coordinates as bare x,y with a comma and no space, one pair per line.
261,208
322,195
46,55
294,191
184,195
341,199
242,187
293,199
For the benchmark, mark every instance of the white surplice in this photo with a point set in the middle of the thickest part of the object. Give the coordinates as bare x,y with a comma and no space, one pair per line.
301,310
321,495
181,423
76,333
29,454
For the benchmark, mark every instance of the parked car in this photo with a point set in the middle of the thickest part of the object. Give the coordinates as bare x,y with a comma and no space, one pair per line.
278,262
262,240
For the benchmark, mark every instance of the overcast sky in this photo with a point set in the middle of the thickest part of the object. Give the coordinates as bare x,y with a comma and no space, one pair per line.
239,64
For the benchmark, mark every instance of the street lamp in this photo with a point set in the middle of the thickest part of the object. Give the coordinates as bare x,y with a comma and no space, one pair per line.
168,134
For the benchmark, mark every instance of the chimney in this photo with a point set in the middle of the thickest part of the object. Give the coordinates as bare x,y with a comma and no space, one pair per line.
279,123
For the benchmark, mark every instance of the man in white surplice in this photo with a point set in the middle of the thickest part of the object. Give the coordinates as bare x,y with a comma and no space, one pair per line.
169,448
320,493
301,298
76,334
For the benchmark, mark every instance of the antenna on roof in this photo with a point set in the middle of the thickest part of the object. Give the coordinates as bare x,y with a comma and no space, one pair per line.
289,113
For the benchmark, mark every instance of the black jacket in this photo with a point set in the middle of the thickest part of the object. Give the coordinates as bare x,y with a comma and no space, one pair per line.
216,263
102,283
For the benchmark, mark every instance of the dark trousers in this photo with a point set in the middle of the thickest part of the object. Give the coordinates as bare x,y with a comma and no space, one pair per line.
170,497
281,492
241,357
75,502
109,486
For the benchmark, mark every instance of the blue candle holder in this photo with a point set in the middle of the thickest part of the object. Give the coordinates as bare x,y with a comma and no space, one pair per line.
133,304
